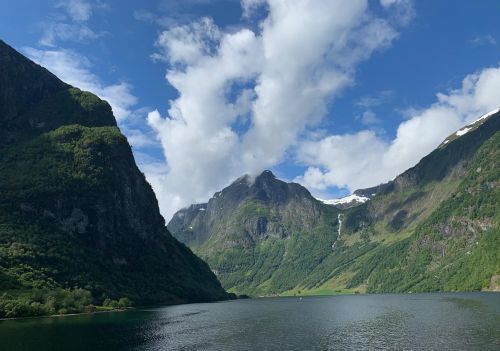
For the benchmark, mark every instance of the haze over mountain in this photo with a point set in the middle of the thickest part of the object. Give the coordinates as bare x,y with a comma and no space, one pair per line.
435,227
79,224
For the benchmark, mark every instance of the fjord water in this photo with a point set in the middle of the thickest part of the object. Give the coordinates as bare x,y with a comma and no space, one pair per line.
455,321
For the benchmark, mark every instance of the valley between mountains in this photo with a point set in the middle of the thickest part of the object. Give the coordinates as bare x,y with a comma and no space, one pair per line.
81,231
435,227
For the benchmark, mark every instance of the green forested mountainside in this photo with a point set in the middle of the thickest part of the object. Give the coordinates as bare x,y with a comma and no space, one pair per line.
79,224
455,247
434,228
257,231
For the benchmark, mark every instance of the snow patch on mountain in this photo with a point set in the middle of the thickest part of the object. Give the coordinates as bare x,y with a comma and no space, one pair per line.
486,115
463,131
346,200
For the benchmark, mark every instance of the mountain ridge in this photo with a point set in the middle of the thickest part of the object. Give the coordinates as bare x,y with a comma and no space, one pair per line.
393,216
80,227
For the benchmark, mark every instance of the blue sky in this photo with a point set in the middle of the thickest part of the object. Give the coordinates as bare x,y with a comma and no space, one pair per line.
336,95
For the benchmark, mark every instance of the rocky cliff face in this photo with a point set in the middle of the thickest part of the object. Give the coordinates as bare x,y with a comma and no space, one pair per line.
252,228
247,211
75,211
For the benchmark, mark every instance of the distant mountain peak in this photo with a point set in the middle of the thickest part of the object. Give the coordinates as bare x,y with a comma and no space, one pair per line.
469,127
267,173
251,180
266,177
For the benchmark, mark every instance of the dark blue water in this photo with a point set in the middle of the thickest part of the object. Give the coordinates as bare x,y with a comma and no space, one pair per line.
468,321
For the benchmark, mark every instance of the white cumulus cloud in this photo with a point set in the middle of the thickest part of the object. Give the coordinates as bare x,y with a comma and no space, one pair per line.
246,96
364,159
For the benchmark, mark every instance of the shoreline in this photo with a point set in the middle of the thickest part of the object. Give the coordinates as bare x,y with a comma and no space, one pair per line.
68,314
127,309
377,293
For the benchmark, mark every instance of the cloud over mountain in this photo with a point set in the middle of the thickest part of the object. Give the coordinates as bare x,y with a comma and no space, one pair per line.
246,95
364,159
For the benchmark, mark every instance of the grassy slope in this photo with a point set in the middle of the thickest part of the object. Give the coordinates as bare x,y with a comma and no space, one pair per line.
458,246
301,261
449,239
304,263
263,268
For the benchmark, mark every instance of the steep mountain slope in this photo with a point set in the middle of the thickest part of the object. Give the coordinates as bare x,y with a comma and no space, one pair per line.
79,224
435,227
444,213
256,232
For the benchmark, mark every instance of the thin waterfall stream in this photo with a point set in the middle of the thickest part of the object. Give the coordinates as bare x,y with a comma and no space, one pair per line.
339,218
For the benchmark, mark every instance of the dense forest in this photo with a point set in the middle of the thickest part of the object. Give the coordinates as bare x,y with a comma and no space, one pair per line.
80,227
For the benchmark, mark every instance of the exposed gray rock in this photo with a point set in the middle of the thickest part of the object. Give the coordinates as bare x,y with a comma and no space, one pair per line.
247,211
77,222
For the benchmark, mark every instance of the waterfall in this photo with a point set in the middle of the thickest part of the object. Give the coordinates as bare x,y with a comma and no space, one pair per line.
339,219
